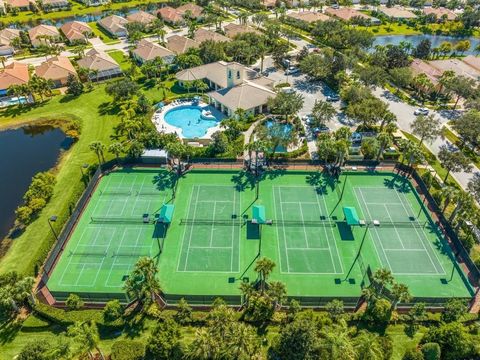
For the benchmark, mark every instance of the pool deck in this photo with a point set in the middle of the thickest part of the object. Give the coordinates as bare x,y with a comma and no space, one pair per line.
163,127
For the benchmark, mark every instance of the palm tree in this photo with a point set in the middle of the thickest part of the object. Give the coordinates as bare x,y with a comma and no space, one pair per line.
448,193
97,147
116,148
2,60
335,343
277,292
384,139
204,346
264,267
86,336
142,284
463,200
246,343
367,346
400,293
383,278
341,147
17,91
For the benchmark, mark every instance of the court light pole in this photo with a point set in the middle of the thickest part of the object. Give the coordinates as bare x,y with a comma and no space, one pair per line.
51,220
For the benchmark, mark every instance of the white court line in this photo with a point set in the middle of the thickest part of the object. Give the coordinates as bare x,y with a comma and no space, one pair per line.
299,202
185,229
309,249
212,229
325,233
191,230
334,243
425,237
211,247
232,235
303,221
103,258
382,203
396,230
283,226
375,230
214,201
113,262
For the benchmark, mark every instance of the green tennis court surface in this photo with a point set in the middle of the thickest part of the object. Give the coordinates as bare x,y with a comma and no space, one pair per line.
211,245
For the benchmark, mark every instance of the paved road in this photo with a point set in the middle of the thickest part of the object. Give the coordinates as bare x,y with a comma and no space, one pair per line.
405,116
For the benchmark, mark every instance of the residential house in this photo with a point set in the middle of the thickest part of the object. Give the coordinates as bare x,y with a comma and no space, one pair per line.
43,34
232,30
14,74
114,25
100,65
141,17
170,15
459,67
19,5
56,69
397,12
422,67
195,11
348,14
6,37
94,2
202,35
180,44
53,5
440,13
308,17
473,61
234,86
147,51
76,31
269,4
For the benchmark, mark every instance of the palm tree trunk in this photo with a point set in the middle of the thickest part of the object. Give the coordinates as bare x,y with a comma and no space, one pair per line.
455,212
445,205
380,151
100,352
446,176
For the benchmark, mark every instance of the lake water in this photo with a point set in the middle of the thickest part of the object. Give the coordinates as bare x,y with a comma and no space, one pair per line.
24,152
436,40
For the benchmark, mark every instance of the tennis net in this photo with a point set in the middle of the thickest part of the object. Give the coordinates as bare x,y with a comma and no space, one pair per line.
116,192
135,253
89,253
120,220
309,223
399,224
224,222
148,193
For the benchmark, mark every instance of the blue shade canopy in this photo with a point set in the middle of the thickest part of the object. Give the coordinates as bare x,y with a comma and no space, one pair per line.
259,214
351,215
166,213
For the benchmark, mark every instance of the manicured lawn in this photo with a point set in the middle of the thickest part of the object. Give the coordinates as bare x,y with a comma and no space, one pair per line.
465,150
77,9
97,118
120,58
391,29
102,34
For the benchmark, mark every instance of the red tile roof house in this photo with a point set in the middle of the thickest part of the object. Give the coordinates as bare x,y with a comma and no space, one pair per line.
14,74
56,69
440,13
6,37
76,31
232,30
397,12
43,34
202,35
141,17
21,5
147,51
308,16
115,25
348,14
170,15
196,12
53,5
102,65
180,44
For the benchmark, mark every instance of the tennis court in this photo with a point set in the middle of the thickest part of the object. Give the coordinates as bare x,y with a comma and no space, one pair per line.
210,248
211,236
113,232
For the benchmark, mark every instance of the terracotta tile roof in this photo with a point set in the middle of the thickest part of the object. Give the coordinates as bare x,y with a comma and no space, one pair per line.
460,68
308,16
397,12
97,60
196,10
170,15
244,96
473,61
7,35
147,50
18,3
55,3
269,3
43,30
74,30
232,30
346,13
439,12
56,68
113,23
141,17
14,74
180,44
202,35
419,66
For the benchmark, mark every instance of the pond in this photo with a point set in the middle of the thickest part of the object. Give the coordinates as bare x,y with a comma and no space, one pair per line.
25,152
436,40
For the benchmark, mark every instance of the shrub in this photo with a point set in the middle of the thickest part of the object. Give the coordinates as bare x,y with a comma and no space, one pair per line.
431,351
74,302
379,311
127,350
112,311
413,354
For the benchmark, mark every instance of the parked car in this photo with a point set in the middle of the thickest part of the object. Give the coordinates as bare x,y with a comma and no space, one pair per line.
292,70
356,137
333,98
421,111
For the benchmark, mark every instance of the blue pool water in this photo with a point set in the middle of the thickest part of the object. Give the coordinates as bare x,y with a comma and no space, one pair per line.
188,118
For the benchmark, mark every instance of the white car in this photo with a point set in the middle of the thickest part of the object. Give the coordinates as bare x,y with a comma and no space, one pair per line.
421,111
332,98
292,70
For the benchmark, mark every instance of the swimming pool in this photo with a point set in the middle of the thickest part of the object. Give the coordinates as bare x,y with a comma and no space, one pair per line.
190,120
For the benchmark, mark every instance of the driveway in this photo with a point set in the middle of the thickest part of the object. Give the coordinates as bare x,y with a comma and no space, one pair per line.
405,117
